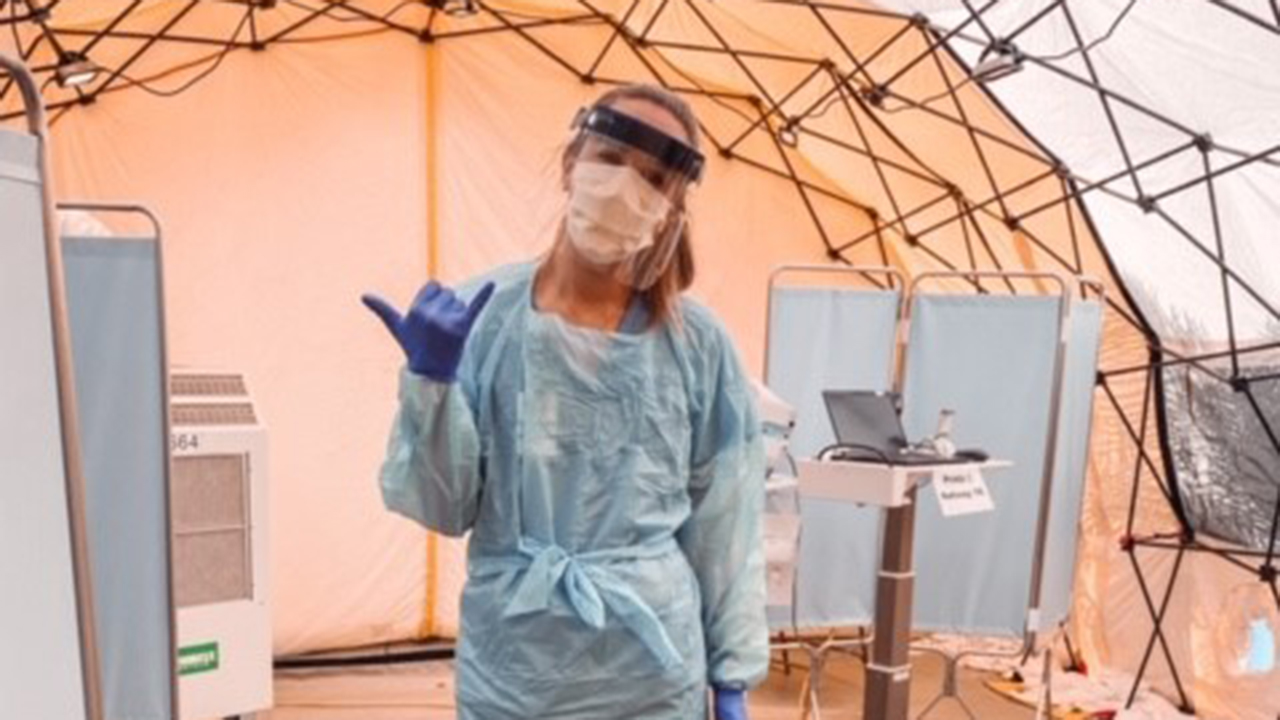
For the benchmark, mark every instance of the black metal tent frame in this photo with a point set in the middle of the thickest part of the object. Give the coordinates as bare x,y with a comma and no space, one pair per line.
861,95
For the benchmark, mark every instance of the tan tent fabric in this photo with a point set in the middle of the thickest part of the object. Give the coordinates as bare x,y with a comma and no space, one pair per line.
277,214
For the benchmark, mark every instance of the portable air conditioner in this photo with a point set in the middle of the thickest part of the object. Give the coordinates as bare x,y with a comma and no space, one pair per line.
220,550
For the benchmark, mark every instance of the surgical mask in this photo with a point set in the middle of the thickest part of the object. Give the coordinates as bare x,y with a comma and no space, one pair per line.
613,212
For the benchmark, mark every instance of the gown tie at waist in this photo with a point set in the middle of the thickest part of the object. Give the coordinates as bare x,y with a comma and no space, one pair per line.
589,585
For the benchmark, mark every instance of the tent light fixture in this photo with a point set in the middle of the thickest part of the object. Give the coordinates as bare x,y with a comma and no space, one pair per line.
999,60
75,70
455,8
787,134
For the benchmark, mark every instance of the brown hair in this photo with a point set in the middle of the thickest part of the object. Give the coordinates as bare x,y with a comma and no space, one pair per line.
663,297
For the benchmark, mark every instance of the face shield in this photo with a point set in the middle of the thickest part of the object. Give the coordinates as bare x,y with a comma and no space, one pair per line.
627,190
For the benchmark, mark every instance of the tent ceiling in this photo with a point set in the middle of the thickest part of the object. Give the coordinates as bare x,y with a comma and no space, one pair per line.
827,97
1137,100
1175,103
1134,99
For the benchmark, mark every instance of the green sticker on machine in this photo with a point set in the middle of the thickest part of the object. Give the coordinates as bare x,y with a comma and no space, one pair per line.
195,659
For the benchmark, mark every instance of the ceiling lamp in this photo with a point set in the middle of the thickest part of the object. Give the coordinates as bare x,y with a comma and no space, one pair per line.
75,70
1000,60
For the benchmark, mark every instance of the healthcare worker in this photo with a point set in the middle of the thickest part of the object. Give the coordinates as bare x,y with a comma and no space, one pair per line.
594,431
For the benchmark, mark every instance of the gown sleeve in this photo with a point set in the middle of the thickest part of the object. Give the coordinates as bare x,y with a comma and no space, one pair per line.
433,470
723,537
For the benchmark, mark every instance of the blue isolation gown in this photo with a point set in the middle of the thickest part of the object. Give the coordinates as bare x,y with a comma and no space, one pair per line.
613,484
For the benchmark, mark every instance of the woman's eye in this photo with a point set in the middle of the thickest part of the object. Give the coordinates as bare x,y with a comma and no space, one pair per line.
610,158
655,179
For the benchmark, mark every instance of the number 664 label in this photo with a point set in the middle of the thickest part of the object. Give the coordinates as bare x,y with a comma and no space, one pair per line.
182,442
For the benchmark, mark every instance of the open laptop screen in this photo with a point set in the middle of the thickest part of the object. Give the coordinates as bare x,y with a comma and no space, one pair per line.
865,418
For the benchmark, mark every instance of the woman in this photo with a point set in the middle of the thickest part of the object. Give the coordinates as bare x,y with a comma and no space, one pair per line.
593,429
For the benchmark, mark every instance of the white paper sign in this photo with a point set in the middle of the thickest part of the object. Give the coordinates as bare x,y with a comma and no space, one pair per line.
961,491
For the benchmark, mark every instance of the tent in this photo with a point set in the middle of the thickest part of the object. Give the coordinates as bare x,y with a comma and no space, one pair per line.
301,152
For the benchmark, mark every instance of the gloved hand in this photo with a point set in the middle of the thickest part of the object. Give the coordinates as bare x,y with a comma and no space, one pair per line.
730,704
434,330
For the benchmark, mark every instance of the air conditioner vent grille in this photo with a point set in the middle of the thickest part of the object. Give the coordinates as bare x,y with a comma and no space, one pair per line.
186,414
212,553
208,385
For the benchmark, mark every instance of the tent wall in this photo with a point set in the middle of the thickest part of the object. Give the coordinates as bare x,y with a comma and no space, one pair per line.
281,212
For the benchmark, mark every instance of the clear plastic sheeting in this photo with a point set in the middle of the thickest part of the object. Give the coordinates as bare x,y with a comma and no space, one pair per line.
1228,468
781,539
1097,691
1101,692
1165,73
781,501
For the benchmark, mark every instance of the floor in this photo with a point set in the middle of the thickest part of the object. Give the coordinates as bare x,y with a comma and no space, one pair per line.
425,692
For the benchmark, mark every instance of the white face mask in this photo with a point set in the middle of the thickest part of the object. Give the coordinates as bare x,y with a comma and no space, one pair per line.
613,212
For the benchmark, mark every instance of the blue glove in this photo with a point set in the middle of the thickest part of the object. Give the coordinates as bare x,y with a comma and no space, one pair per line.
434,331
730,704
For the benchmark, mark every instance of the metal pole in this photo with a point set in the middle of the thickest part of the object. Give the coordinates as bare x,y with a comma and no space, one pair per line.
888,690
888,680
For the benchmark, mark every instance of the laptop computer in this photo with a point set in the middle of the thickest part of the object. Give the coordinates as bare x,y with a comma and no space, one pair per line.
867,425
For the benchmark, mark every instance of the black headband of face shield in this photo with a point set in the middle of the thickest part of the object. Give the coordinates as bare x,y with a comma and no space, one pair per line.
672,153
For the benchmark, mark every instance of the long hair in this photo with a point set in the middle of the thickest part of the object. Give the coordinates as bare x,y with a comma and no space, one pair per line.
662,298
